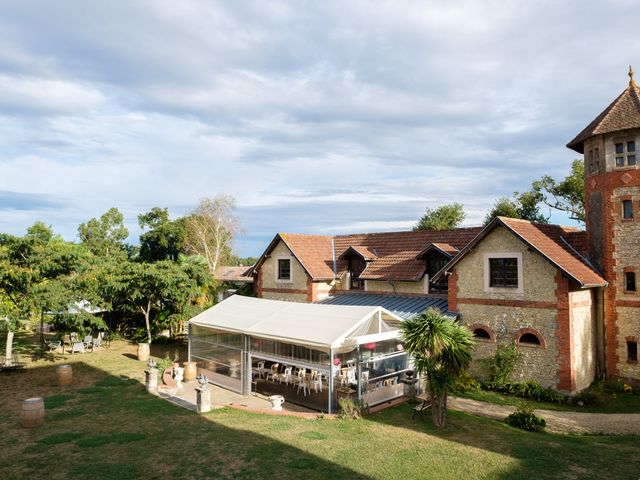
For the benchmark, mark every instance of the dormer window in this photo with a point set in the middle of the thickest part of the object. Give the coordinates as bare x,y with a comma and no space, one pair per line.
626,154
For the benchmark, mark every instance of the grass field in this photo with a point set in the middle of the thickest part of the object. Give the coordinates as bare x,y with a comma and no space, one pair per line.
106,426
613,403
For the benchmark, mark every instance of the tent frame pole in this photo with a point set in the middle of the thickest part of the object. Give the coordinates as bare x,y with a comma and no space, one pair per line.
330,396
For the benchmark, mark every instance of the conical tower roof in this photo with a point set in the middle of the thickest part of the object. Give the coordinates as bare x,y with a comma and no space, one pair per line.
622,114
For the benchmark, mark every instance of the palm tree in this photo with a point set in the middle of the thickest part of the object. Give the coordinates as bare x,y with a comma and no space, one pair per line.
441,350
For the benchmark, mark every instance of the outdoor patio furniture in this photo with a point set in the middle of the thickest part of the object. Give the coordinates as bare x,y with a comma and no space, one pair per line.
261,369
77,347
96,342
425,404
316,382
304,383
54,345
287,376
273,373
13,364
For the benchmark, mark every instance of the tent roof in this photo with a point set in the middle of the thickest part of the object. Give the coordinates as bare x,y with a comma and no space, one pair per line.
321,326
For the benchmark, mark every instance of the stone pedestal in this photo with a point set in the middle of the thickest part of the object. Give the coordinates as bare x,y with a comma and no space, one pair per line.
151,379
203,403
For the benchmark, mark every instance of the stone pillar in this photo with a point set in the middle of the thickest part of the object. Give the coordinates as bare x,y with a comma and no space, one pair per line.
203,404
151,379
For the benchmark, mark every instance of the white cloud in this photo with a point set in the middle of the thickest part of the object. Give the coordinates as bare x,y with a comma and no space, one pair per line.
316,116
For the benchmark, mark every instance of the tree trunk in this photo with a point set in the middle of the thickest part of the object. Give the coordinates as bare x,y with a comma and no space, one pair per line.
147,314
439,410
8,348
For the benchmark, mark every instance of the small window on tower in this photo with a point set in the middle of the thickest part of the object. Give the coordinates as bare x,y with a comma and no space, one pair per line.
627,209
626,154
631,159
619,161
629,281
632,352
619,147
631,146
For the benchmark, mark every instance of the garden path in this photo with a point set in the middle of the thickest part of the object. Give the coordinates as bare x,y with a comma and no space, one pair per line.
557,421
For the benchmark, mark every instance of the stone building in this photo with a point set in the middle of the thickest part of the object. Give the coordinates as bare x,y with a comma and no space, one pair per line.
566,297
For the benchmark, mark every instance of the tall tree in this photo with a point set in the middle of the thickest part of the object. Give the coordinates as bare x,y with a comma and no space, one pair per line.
164,239
566,195
157,290
523,205
441,349
444,217
105,236
211,228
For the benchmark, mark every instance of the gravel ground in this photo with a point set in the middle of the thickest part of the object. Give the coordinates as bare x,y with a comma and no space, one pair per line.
558,422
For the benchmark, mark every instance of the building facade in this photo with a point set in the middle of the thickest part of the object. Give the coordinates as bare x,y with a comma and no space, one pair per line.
567,298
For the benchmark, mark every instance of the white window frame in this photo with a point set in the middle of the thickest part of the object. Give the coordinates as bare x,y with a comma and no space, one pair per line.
277,269
487,272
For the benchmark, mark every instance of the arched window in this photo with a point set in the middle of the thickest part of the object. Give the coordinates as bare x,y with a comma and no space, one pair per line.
481,333
530,337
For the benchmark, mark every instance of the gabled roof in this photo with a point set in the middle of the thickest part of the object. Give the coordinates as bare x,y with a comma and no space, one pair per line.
550,241
622,114
234,274
361,250
390,255
397,251
314,252
443,248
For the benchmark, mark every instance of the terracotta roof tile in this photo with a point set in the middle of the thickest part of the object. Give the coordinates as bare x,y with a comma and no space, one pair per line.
314,252
364,252
563,246
622,114
233,274
397,251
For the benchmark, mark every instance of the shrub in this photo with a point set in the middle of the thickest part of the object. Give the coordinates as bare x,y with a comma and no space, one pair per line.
503,362
525,419
351,409
591,397
466,383
617,386
528,389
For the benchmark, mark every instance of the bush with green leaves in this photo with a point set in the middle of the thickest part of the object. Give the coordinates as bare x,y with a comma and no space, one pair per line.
525,419
504,362
528,389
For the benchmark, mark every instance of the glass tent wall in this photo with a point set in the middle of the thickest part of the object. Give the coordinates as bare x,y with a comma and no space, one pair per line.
314,378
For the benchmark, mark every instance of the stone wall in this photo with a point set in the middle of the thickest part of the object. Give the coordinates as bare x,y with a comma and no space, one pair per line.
507,312
506,323
538,273
270,287
628,322
413,288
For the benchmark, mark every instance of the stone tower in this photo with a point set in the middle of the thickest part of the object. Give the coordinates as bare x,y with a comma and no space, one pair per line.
611,148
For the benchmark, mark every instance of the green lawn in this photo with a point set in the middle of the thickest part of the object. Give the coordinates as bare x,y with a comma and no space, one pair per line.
107,426
614,403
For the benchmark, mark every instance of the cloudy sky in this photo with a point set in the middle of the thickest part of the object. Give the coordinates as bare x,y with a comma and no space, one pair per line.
325,117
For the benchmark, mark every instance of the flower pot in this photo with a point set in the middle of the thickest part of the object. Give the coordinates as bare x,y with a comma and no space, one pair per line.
190,371
143,352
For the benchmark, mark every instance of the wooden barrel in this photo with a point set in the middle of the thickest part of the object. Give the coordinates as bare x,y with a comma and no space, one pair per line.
190,371
143,352
32,413
64,374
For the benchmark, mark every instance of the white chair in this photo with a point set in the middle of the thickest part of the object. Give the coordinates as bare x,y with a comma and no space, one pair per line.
365,381
316,381
262,369
77,347
287,375
351,375
304,383
273,373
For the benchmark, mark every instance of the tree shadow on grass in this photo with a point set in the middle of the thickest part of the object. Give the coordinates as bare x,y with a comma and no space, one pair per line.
114,429
538,455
